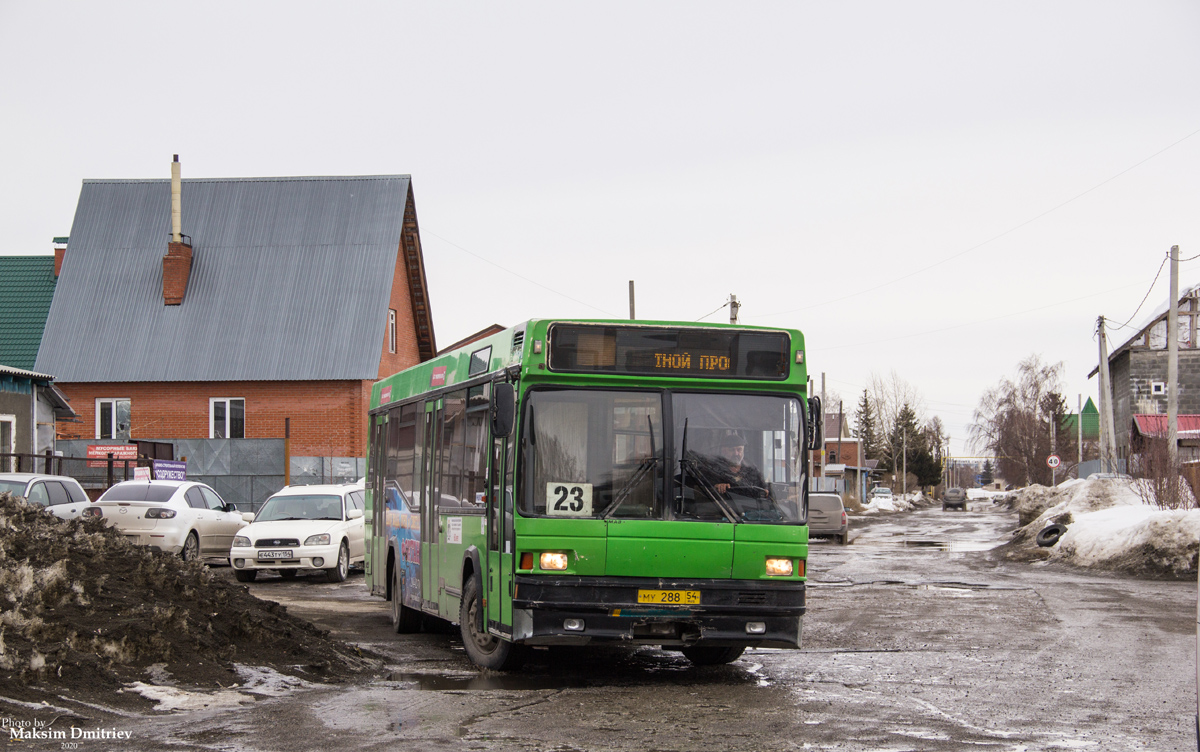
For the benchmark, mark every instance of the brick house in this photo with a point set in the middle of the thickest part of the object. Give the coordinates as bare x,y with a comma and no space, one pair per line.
224,309
1138,368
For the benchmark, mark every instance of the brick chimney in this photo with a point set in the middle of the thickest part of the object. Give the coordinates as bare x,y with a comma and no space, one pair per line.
177,264
60,251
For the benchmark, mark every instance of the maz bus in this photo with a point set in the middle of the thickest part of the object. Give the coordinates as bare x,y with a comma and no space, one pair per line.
576,482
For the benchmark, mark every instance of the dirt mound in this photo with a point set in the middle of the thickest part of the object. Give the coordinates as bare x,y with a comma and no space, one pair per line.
84,610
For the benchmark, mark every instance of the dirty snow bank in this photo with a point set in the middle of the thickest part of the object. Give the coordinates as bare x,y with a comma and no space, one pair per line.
1108,526
896,503
83,610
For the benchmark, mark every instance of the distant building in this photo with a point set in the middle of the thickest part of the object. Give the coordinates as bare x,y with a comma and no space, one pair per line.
1138,367
30,406
26,291
270,302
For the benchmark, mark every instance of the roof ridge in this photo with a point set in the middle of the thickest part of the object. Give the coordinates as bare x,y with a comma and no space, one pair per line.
279,179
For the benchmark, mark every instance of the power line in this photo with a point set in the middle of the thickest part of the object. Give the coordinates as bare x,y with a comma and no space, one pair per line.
986,242
519,276
1152,284
723,305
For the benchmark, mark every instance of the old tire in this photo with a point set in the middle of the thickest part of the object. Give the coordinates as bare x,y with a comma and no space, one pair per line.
191,547
245,575
485,650
1050,534
340,571
405,620
703,655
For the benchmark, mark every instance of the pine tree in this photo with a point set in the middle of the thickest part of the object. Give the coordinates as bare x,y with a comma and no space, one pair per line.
866,429
989,473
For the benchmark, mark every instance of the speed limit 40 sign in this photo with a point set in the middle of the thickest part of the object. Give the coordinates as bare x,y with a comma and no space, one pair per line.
1053,461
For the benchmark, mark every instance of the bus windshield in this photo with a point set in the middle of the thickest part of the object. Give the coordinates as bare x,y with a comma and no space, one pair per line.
604,454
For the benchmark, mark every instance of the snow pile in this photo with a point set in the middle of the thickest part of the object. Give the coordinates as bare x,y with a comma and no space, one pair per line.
895,503
1108,526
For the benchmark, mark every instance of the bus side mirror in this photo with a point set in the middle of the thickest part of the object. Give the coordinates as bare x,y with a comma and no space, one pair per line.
504,409
816,424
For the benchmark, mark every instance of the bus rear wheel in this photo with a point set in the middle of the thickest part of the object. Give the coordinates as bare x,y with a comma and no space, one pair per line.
405,620
485,650
710,656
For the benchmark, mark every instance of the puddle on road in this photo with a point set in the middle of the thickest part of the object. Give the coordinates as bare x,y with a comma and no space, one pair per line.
442,682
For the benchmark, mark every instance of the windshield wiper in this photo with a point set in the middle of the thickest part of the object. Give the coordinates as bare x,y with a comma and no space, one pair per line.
708,489
646,466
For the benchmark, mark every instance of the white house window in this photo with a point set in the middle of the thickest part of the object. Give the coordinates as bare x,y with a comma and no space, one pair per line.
391,330
227,418
112,419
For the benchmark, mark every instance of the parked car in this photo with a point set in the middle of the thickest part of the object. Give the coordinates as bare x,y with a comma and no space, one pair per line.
881,491
954,498
60,495
308,528
179,517
827,516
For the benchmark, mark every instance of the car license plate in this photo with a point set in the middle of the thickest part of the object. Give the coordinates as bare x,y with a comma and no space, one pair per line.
670,597
283,554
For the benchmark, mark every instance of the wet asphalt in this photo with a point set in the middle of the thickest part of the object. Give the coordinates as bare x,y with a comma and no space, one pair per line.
917,637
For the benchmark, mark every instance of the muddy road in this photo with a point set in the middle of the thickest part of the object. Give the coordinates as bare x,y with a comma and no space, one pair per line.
915,639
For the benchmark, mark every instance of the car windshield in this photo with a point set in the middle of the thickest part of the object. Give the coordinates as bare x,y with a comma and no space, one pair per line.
604,454
16,487
296,507
139,492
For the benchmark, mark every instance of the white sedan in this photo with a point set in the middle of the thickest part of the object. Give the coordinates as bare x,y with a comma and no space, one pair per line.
303,527
180,517
60,495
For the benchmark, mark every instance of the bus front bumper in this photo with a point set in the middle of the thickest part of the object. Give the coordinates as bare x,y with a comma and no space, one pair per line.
583,610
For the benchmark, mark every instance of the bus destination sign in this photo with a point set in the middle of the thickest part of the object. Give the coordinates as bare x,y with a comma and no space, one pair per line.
704,353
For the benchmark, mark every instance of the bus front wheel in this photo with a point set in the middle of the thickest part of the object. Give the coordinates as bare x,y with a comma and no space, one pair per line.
485,650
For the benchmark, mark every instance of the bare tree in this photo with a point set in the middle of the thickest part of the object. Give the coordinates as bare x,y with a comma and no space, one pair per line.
1014,419
889,395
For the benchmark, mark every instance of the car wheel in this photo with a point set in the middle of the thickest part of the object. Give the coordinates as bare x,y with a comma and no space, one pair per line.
339,572
843,538
485,650
245,575
191,547
1050,534
405,620
702,655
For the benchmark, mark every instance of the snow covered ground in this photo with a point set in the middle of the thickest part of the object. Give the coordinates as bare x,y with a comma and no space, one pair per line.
1108,526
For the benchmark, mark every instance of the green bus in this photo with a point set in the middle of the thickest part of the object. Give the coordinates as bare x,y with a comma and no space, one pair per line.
586,482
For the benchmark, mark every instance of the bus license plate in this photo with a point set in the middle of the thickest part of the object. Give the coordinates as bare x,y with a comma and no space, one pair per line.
286,554
670,597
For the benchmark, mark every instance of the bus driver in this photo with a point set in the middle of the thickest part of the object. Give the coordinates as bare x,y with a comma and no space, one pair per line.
732,471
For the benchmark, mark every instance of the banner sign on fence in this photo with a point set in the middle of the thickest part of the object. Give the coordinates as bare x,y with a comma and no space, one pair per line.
118,451
141,473
170,470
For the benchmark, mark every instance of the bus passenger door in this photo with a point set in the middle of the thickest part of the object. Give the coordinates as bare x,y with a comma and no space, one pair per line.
375,532
430,520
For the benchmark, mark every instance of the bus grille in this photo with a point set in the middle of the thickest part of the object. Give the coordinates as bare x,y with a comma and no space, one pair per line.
755,598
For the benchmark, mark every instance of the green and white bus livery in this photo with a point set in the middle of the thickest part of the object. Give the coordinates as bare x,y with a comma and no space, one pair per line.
576,482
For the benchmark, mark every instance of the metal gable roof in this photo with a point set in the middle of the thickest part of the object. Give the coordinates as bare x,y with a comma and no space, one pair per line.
290,280
26,290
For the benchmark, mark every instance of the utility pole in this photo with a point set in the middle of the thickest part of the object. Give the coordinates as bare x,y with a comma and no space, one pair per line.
631,316
1079,443
734,305
905,432
1108,443
1173,369
1053,470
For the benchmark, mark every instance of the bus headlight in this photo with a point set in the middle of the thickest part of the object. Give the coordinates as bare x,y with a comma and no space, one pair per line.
779,567
551,560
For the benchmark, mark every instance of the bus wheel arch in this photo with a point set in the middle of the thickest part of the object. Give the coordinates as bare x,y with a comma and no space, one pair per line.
484,649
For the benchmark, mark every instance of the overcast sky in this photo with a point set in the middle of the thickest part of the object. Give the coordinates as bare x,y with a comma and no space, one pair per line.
939,189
